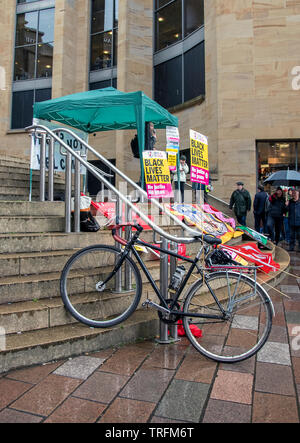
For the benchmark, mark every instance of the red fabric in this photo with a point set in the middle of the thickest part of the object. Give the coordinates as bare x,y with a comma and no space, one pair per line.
108,210
251,253
194,330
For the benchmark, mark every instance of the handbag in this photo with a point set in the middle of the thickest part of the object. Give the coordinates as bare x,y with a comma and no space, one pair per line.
88,223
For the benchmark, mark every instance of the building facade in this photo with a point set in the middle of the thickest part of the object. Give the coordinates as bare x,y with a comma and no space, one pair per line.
229,69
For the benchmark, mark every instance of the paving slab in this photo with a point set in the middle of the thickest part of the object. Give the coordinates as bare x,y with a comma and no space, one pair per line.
165,384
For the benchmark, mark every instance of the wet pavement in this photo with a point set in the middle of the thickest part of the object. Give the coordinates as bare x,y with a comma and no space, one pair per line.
167,384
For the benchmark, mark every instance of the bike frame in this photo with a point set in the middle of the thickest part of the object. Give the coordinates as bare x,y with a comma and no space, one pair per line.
129,247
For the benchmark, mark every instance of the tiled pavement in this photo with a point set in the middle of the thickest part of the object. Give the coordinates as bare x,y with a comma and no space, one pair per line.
151,383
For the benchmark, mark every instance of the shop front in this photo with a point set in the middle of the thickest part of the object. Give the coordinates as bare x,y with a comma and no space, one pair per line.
276,155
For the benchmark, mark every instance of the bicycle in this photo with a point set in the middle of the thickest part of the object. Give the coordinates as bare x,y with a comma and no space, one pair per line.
101,286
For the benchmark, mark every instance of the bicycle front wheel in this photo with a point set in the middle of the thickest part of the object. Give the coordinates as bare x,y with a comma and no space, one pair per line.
244,311
96,295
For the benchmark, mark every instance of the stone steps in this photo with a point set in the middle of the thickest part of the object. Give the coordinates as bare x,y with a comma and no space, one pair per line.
32,209
31,224
41,346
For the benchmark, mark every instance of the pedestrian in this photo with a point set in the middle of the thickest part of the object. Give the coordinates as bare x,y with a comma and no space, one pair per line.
294,220
150,140
286,223
259,209
184,170
241,202
276,211
205,190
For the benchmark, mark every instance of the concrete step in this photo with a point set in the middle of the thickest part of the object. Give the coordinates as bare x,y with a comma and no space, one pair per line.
16,176
42,286
29,224
25,184
51,241
15,161
17,191
50,312
32,209
17,198
33,263
46,345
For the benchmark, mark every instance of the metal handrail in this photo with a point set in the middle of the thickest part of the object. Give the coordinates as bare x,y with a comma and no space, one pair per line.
157,229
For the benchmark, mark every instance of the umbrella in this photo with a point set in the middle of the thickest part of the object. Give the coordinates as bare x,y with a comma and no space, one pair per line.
284,178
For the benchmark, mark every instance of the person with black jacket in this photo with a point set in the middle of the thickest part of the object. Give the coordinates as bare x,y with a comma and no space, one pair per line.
259,208
294,220
150,140
241,202
275,215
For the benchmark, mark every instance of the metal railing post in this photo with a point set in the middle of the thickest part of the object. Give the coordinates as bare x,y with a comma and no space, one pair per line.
43,166
173,329
118,277
164,278
77,197
51,170
128,275
68,192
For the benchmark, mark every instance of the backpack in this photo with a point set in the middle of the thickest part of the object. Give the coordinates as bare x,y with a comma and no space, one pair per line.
88,223
135,147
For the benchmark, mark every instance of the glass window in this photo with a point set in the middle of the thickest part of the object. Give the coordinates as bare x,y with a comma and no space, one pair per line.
168,83
101,53
194,72
102,15
275,156
25,63
26,28
34,44
160,3
22,106
44,61
104,36
46,25
100,85
175,20
168,25
193,15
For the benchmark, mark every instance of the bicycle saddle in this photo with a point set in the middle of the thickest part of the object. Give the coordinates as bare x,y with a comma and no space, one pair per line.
209,239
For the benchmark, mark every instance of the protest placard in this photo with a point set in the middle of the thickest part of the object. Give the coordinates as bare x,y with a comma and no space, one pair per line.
157,174
199,158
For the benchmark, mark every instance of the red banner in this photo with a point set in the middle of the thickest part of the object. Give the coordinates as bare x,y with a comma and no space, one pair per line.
251,253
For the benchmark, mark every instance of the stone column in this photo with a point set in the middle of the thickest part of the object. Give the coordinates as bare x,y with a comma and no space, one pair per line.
71,54
135,66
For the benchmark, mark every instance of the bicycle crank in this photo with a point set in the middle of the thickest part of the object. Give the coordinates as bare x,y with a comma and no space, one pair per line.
151,304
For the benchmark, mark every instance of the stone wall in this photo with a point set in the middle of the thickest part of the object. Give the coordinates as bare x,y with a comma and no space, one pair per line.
251,48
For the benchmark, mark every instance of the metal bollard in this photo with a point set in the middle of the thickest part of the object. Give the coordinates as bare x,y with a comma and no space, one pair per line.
173,329
164,278
128,275
118,277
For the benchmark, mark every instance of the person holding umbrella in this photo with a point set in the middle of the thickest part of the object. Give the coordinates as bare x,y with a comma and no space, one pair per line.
294,219
275,215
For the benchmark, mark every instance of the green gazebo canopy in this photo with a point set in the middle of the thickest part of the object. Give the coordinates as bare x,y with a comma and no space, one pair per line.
105,110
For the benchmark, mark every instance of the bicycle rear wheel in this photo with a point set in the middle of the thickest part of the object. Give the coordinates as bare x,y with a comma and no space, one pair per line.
246,324
93,293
